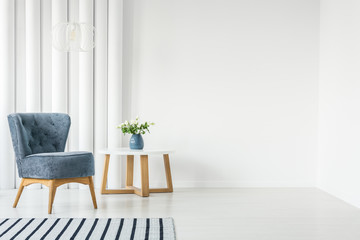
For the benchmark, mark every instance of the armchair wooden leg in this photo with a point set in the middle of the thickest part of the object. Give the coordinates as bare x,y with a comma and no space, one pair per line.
52,190
21,188
53,197
92,191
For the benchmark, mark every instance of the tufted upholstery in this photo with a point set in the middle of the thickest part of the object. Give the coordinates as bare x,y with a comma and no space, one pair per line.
39,141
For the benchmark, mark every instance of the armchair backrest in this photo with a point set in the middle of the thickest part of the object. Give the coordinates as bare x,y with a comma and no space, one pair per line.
33,133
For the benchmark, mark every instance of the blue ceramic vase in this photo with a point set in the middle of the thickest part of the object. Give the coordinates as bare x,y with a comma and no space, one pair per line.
136,142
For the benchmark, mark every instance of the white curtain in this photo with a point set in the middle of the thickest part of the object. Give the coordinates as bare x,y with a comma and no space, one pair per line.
34,77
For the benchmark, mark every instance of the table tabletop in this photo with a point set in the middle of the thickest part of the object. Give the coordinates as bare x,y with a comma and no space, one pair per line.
128,151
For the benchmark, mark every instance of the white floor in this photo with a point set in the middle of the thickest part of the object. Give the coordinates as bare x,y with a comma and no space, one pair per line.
247,213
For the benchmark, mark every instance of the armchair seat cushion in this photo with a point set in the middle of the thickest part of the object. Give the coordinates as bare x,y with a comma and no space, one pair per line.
55,165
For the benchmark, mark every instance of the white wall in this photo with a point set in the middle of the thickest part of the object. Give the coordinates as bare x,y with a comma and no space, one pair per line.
339,99
232,86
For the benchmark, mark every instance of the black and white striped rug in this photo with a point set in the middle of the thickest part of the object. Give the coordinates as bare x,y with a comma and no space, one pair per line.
87,228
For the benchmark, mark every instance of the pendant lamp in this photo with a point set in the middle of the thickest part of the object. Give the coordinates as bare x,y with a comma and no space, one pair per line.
73,37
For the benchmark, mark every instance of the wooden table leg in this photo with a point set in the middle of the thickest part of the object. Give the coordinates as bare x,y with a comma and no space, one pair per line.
144,165
168,172
105,177
105,173
144,175
129,170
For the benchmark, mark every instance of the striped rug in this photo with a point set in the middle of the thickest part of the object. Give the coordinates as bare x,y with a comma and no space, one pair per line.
87,228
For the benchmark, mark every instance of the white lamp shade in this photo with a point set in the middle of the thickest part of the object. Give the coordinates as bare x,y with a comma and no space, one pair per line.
73,37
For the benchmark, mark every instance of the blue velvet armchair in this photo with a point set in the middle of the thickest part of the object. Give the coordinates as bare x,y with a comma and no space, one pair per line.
39,142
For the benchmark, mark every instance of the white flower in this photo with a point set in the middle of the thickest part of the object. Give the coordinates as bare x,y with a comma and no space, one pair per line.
126,122
137,118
